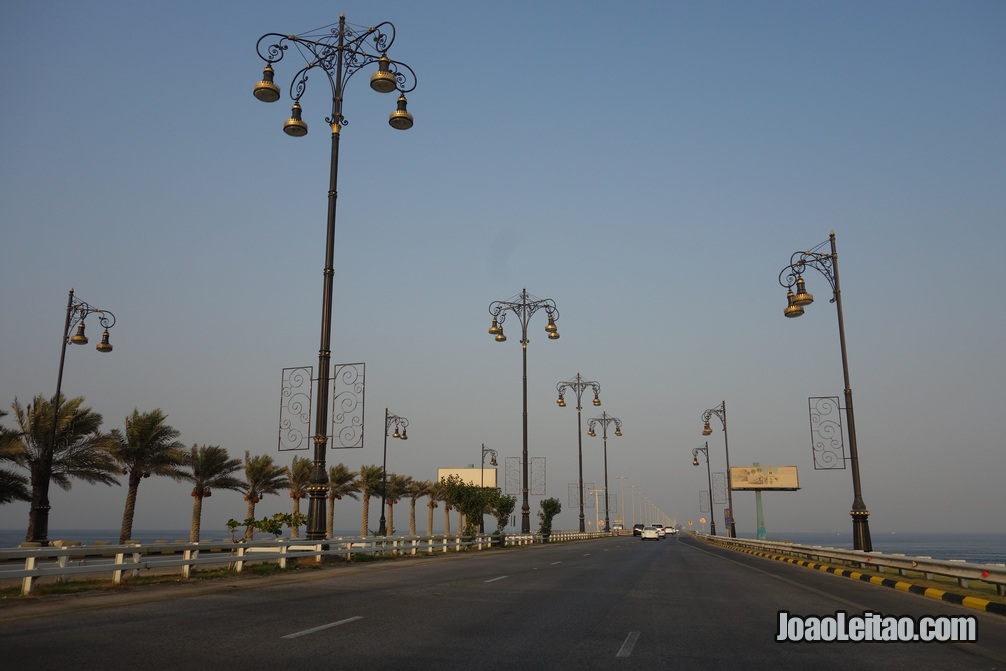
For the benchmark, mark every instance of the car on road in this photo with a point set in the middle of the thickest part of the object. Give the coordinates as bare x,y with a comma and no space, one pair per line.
637,529
661,532
649,532
617,528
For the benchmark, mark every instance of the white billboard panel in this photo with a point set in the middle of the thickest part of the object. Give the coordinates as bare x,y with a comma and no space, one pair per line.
472,476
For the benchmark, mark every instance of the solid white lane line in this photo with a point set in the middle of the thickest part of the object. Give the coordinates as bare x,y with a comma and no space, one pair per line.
495,579
628,645
324,626
554,563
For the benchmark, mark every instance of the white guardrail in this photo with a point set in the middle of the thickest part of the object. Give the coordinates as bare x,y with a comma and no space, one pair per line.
960,570
125,561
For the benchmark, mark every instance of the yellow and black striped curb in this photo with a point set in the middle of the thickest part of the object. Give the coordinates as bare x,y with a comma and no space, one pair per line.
931,592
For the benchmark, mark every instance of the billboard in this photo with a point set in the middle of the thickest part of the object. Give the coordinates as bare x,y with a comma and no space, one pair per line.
472,476
782,478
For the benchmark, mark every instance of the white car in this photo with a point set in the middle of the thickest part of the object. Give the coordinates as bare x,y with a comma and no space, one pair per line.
649,533
661,532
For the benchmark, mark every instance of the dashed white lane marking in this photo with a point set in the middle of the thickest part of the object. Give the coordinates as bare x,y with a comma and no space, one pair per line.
324,626
495,579
628,645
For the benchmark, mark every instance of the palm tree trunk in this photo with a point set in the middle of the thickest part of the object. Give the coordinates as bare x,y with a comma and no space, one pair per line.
460,522
447,518
126,530
365,522
330,516
429,520
250,530
295,529
412,517
391,518
197,514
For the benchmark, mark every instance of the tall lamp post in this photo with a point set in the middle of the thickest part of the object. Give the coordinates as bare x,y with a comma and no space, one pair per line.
633,489
709,476
792,276
401,428
604,420
486,451
721,412
339,53
621,486
523,306
76,312
578,385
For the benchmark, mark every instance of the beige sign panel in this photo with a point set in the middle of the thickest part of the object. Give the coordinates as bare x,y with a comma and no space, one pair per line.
472,476
764,477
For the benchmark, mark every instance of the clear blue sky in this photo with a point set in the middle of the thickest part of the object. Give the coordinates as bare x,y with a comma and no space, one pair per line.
650,166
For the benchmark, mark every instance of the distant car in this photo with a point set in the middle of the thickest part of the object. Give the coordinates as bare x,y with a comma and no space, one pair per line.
637,529
649,533
617,528
672,530
661,532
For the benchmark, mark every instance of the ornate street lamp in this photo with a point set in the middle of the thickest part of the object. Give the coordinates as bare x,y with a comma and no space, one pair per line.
523,306
709,476
604,420
721,412
578,385
792,277
486,451
339,53
401,428
76,312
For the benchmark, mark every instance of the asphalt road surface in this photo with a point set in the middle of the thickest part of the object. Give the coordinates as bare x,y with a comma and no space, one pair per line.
617,603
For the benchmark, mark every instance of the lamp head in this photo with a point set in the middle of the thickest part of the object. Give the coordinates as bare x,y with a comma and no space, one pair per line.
104,345
792,309
404,436
561,402
79,338
493,462
802,296
396,434
590,432
551,327
500,337
597,400
266,90
383,81
295,126
695,461
554,335
400,119
495,328
618,431
706,430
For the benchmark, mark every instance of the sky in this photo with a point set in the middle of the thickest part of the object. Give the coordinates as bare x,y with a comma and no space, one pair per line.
649,166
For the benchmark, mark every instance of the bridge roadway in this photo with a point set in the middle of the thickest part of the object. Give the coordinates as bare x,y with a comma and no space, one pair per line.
616,603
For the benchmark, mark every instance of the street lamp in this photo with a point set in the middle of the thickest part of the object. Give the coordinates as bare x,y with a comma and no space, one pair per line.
523,306
709,476
604,420
578,385
721,412
400,423
792,276
492,462
339,53
76,312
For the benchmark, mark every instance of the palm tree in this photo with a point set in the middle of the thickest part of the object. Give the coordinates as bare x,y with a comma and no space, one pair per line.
435,494
369,482
148,448
80,450
398,486
417,489
13,486
262,477
341,482
298,476
209,468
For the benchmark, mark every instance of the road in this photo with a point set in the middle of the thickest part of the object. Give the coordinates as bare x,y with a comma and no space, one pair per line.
604,604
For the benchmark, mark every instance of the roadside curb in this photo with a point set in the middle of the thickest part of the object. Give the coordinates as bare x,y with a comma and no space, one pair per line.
903,585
